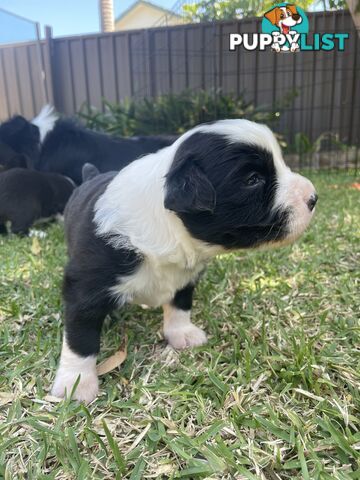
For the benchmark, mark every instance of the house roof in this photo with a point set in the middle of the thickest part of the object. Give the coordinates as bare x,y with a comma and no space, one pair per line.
149,4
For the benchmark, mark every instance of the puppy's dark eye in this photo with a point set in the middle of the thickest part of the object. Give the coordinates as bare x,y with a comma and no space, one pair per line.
253,179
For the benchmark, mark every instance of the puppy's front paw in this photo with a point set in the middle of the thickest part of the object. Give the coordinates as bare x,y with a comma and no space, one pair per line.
86,390
185,336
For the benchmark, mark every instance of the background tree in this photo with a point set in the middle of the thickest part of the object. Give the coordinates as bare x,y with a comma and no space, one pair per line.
208,10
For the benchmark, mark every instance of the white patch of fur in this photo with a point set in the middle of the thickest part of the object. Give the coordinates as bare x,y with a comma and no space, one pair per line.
71,367
294,192
155,282
37,233
45,121
179,331
131,213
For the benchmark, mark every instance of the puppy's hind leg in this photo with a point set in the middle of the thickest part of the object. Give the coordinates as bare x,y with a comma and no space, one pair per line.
178,329
85,312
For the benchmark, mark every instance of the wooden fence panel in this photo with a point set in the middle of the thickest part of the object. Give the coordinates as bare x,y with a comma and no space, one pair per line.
146,63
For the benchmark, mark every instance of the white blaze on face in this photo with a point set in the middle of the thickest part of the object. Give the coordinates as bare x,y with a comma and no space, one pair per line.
294,192
287,20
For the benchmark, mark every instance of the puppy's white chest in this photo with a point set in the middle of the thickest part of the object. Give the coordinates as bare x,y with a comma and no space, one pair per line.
155,284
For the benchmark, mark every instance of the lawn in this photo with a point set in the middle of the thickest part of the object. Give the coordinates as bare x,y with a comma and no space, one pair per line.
273,395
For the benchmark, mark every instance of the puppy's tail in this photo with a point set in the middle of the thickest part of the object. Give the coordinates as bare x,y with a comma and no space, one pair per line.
45,121
89,171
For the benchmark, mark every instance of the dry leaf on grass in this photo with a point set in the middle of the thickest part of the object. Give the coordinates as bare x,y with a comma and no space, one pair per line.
114,361
52,399
35,246
6,397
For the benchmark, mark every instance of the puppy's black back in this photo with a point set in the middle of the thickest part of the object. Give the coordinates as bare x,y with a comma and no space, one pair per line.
69,146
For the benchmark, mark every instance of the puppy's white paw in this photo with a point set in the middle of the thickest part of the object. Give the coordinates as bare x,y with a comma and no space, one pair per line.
185,336
86,390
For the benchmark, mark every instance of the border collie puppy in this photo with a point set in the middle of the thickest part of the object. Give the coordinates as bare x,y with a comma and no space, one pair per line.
19,143
145,235
27,196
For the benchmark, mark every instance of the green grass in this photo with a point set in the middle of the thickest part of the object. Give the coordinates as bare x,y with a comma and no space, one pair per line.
274,395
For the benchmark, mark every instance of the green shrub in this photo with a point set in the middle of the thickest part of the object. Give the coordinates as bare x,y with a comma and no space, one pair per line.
173,114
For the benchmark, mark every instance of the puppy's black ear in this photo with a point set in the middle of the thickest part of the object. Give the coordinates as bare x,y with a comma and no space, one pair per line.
188,190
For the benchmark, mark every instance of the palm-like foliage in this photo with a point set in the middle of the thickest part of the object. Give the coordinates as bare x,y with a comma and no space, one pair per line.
174,114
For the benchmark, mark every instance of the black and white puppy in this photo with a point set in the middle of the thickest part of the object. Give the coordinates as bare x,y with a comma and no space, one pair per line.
144,235
60,145
27,196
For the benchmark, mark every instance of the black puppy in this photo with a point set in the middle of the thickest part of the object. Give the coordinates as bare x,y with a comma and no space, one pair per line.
19,143
69,145
27,196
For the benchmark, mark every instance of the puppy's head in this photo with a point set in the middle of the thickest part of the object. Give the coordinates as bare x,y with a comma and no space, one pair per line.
284,16
229,185
19,143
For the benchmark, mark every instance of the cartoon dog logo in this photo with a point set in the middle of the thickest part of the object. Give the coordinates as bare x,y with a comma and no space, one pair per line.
284,17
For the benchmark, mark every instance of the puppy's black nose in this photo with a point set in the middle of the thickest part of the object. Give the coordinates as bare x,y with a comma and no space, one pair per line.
312,201
295,16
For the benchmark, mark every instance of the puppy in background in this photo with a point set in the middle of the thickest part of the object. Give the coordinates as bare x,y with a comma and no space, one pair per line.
145,235
60,145
19,144
27,196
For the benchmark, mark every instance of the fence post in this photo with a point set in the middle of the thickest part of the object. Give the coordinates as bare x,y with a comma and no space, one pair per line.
150,60
49,65
42,66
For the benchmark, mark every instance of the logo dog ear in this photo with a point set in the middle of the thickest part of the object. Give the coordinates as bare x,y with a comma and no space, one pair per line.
292,8
188,189
272,15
